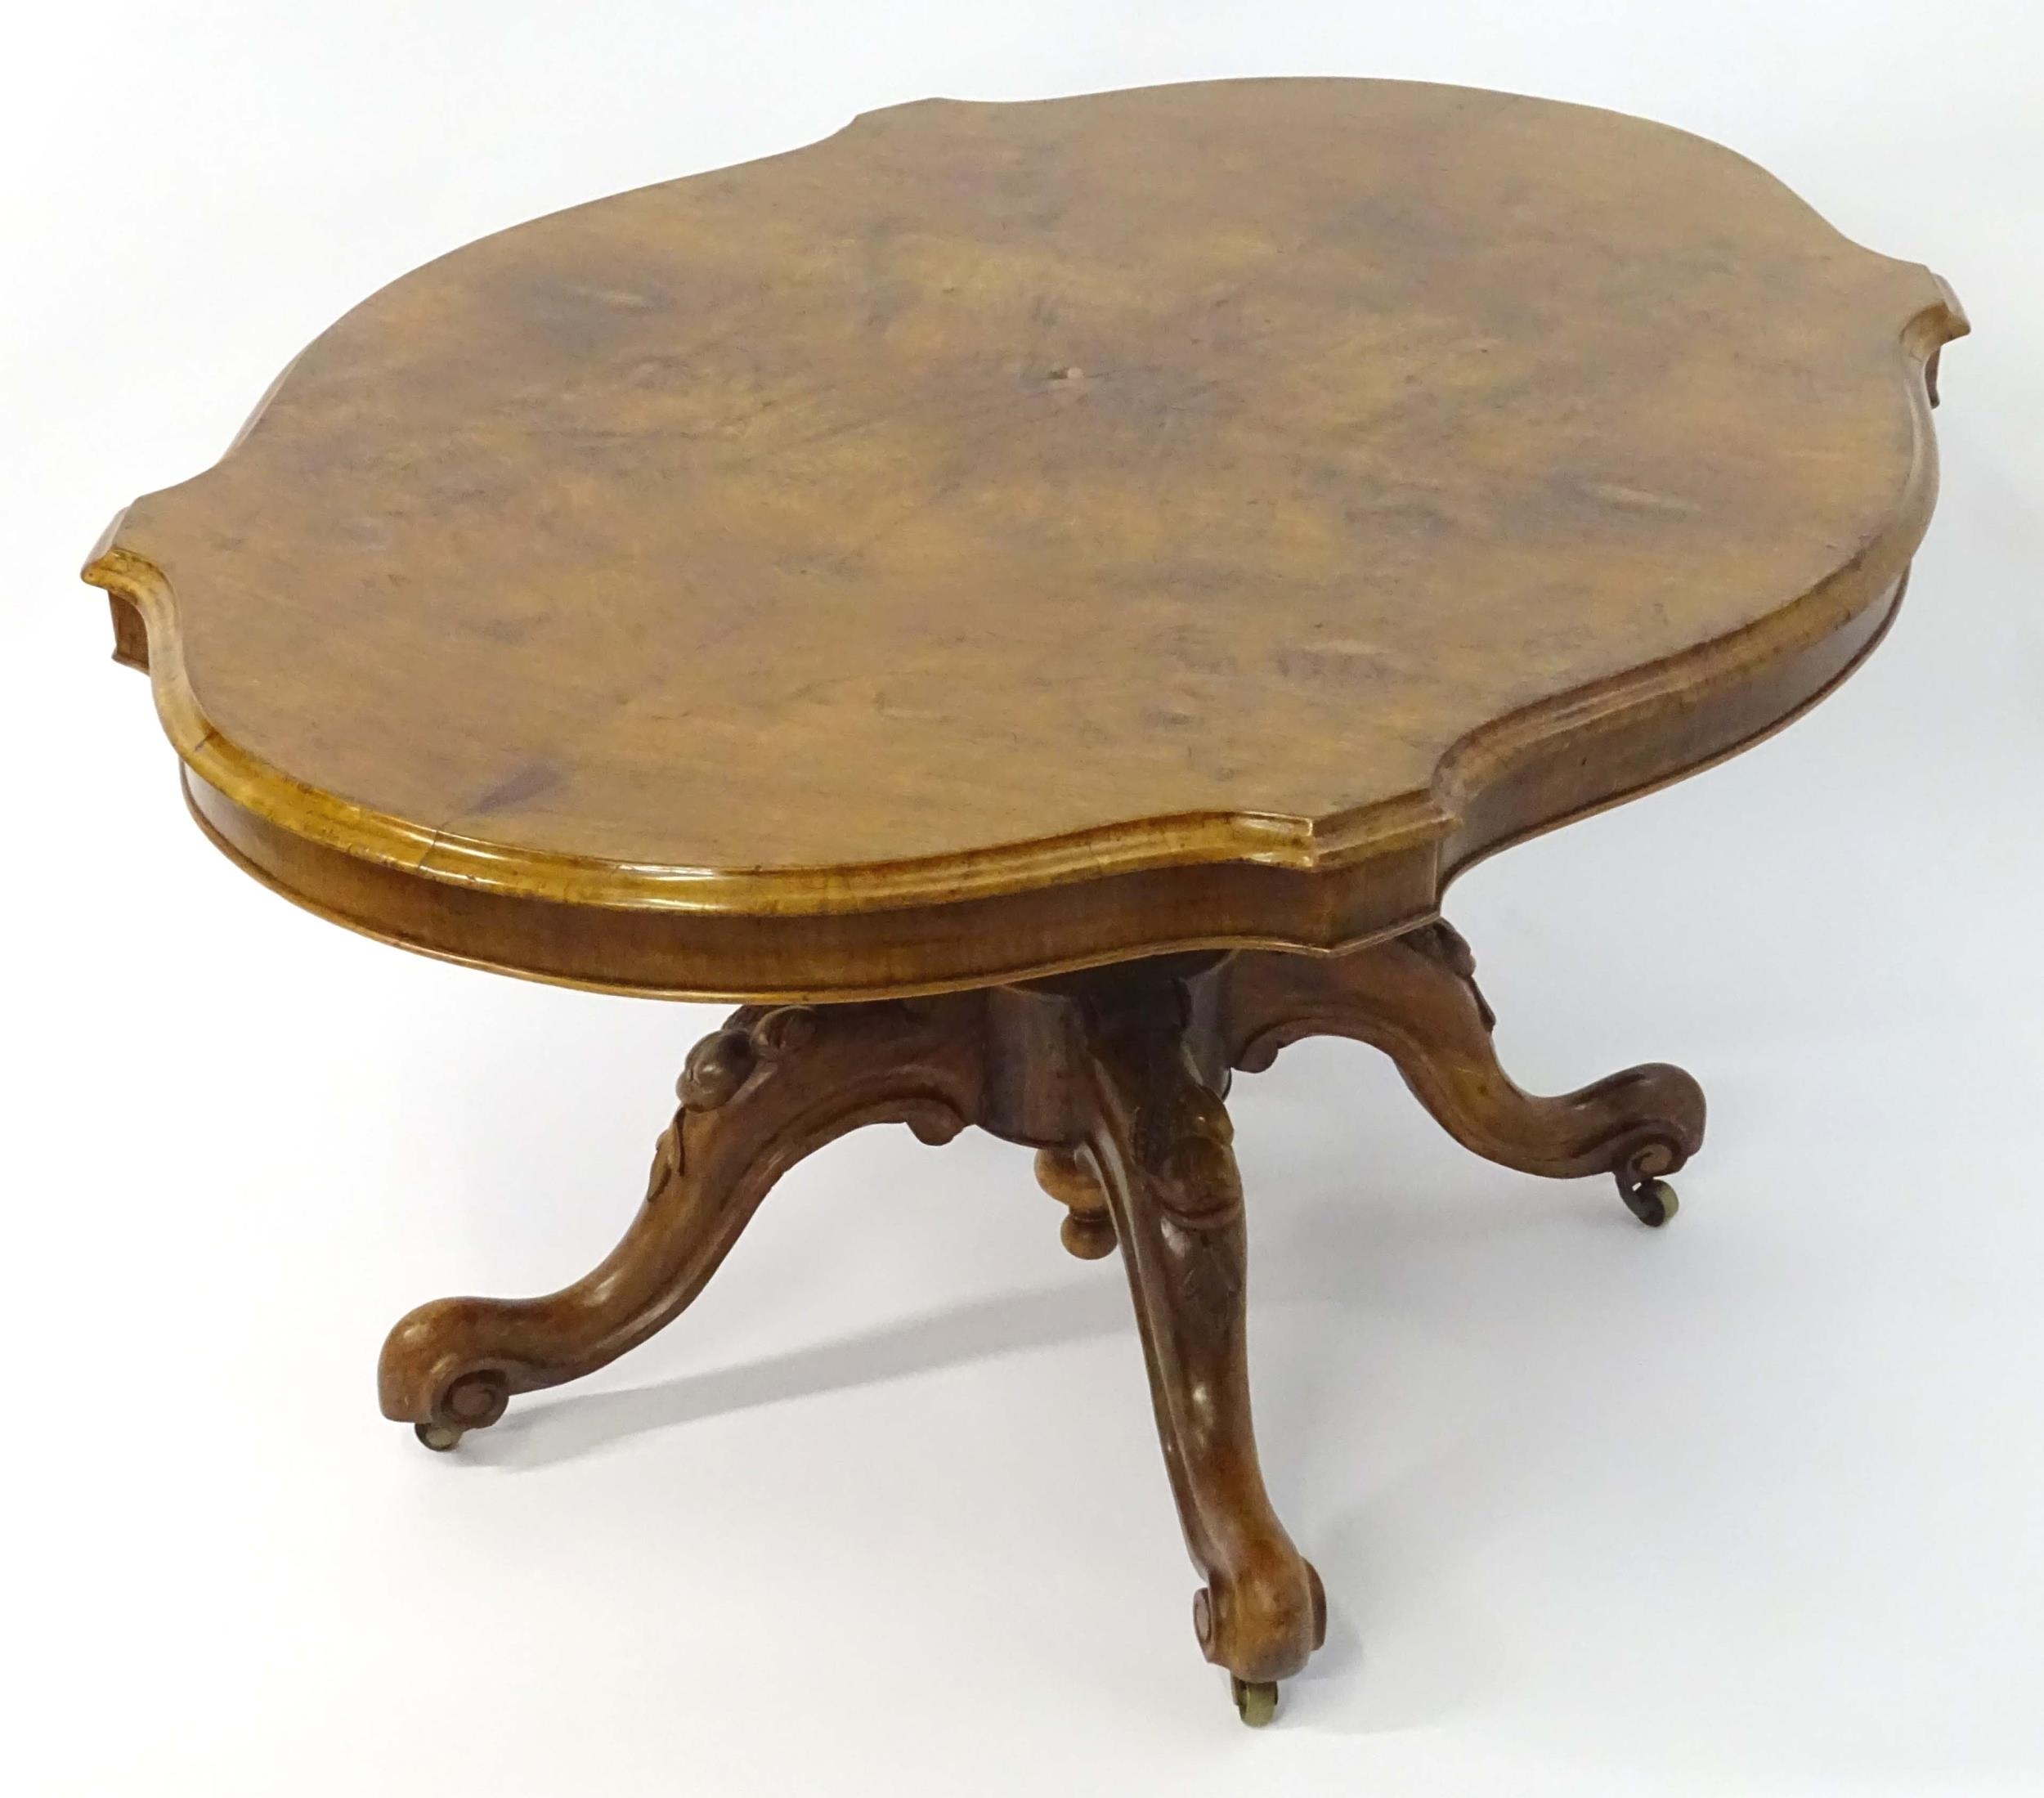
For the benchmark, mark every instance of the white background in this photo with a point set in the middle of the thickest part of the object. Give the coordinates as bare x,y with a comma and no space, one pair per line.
1751,1505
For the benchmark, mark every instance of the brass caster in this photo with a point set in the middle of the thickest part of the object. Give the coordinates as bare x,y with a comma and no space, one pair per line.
1647,1196
473,1402
1652,1201
1255,1700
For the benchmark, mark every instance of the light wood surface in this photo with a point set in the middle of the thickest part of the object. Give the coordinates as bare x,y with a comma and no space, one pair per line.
1004,537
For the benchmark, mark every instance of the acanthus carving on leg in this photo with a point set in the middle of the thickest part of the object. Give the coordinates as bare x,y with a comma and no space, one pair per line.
1159,1139
756,1096
1415,997
1451,948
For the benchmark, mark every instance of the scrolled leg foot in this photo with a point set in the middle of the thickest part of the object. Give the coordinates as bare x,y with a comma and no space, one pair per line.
1415,997
756,1095
1256,1699
471,1400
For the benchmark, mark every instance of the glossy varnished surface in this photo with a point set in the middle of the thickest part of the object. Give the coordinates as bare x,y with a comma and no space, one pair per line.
1297,488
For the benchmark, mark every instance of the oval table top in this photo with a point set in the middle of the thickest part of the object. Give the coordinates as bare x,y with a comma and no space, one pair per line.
1002,537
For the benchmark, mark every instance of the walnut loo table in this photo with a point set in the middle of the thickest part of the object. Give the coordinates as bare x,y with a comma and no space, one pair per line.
1036,602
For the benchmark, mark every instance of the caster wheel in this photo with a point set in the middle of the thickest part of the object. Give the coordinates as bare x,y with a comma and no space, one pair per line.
1652,1201
473,1402
1256,1700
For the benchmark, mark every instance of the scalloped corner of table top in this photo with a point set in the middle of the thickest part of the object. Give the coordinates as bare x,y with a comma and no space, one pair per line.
134,588
1940,320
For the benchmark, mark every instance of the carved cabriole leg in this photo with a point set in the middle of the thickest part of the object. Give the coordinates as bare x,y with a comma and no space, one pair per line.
1415,997
756,1096
1114,1077
1157,1137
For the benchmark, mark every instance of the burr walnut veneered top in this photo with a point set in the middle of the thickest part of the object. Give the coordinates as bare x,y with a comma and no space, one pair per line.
1192,515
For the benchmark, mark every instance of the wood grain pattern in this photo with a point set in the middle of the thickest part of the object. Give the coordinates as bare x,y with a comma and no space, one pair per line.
1005,538
1116,1077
